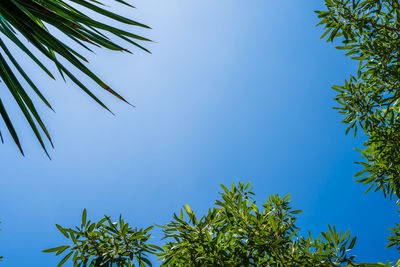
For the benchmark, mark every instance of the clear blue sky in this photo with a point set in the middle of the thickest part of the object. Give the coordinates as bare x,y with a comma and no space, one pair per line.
234,91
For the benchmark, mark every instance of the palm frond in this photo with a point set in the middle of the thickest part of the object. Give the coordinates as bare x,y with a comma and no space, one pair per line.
24,21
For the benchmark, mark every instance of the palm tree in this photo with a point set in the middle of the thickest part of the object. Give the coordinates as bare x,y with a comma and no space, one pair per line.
29,20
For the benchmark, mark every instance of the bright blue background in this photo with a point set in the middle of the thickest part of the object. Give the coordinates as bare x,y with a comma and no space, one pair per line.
234,91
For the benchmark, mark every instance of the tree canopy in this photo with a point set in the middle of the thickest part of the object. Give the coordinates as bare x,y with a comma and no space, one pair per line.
369,31
236,232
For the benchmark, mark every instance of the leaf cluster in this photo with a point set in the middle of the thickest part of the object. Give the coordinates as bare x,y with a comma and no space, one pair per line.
237,233
369,31
37,21
105,243
233,233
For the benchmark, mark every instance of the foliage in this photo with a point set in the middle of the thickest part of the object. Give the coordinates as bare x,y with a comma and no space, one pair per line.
394,238
237,233
37,21
105,243
370,33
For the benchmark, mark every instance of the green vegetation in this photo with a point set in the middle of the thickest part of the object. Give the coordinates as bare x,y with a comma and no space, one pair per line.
28,18
234,233
369,31
105,243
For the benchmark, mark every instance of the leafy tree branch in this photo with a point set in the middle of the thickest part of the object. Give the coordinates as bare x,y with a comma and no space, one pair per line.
235,232
35,21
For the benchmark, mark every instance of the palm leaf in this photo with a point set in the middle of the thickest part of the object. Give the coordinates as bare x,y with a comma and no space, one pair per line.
26,20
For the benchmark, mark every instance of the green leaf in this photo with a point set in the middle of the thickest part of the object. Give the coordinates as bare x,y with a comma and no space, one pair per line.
84,216
352,243
56,249
64,260
62,230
